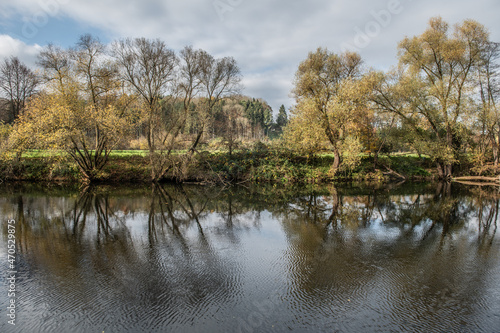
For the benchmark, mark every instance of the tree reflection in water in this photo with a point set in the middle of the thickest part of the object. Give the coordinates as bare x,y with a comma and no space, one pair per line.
389,252
179,253
86,241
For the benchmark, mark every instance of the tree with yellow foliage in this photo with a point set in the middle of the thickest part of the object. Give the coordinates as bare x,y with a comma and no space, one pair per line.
81,111
432,91
331,104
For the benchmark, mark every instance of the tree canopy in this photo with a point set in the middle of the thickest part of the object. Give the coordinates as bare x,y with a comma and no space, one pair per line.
331,102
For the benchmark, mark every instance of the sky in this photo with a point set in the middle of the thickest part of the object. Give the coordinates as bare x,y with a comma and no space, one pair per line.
268,39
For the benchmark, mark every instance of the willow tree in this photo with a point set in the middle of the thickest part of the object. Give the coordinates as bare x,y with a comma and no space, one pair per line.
81,110
433,90
330,98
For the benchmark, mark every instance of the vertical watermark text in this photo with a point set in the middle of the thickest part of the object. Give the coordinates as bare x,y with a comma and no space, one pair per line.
11,272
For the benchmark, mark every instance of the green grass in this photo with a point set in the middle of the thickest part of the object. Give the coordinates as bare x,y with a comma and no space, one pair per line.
128,153
37,153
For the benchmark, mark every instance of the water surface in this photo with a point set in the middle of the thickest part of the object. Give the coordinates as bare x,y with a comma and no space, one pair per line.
413,258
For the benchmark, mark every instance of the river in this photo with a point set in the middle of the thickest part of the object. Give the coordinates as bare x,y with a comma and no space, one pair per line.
345,258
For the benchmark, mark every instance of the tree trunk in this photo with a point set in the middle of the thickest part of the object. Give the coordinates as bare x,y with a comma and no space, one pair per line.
495,156
89,176
157,165
196,141
447,171
336,160
444,171
495,152
440,170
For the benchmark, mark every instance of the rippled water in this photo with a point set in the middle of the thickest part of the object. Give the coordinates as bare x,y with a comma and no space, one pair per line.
193,259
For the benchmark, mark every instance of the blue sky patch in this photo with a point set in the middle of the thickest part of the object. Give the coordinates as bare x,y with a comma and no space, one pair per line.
45,29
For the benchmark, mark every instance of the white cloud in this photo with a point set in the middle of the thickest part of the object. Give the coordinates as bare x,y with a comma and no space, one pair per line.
14,47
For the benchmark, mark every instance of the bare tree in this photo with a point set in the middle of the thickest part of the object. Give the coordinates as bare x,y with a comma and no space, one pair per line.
219,78
148,66
56,65
96,72
489,88
189,78
206,79
18,83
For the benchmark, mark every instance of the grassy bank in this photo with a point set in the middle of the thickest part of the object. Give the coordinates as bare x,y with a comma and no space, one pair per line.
287,168
256,166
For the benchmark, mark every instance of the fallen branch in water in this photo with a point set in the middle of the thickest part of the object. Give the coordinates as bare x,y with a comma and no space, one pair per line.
476,183
391,172
477,179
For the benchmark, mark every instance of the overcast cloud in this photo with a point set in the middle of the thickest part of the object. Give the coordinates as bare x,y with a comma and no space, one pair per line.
267,38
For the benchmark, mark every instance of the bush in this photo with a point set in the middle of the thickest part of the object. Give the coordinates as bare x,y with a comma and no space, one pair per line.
259,146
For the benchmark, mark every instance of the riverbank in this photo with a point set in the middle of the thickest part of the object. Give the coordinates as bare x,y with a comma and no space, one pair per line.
220,167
